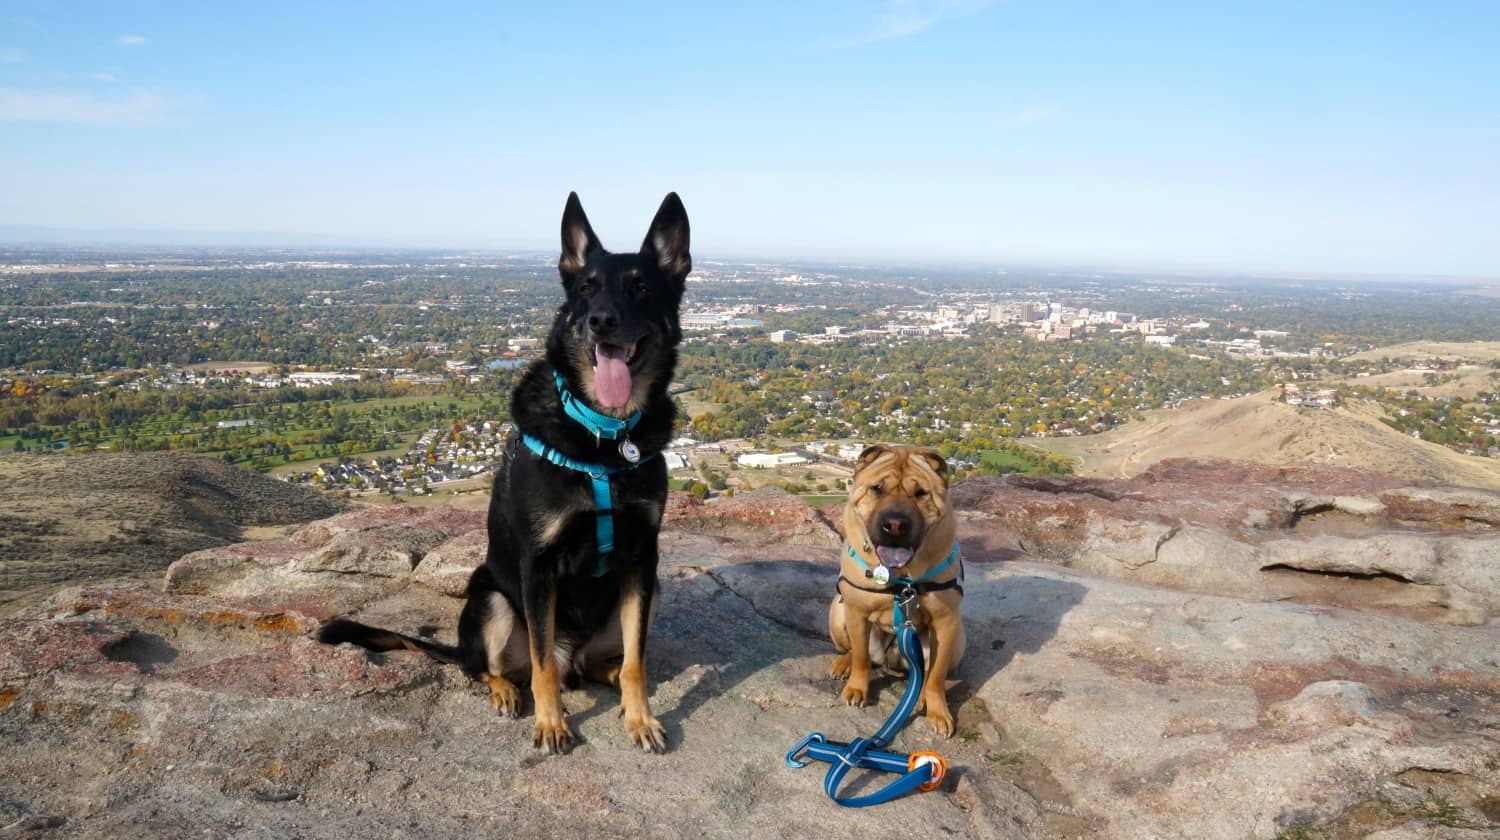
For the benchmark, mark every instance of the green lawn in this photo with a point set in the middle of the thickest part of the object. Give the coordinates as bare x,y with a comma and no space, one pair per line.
1006,461
158,431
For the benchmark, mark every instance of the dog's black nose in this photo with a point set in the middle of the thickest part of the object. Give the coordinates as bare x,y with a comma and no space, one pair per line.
895,525
603,323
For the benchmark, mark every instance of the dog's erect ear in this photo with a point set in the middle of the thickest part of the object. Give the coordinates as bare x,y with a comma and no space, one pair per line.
870,455
667,240
578,239
931,457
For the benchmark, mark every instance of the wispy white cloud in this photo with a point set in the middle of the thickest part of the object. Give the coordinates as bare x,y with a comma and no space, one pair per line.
132,40
903,18
101,77
10,56
137,108
1030,115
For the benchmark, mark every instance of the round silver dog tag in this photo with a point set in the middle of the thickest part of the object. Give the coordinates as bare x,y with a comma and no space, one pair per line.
881,574
630,452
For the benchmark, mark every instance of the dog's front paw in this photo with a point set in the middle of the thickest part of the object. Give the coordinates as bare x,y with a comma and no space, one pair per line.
839,668
647,733
856,695
504,695
554,736
940,718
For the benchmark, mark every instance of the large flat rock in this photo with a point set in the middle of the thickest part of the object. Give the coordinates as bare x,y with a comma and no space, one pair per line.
1089,705
1318,534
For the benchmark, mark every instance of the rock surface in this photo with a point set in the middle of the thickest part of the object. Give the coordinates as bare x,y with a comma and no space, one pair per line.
765,515
1324,535
1095,699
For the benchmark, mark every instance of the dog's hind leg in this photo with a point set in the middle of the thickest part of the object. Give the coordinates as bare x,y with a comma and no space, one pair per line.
636,608
884,651
599,659
504,649
838,630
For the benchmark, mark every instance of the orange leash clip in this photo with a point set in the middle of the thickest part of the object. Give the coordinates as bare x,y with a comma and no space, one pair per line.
937,762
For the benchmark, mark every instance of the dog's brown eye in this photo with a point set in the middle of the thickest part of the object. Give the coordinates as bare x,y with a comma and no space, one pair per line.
876,490
921,493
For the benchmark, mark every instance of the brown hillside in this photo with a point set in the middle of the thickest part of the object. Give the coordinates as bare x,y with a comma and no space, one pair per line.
1423,351
1260,428
89,516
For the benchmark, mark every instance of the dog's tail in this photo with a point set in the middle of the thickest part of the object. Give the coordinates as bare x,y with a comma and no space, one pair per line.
373,638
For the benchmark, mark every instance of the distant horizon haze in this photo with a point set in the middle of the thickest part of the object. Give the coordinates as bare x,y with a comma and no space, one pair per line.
122,241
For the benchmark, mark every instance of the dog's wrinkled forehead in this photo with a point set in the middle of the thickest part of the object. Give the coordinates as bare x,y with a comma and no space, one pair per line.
882,462
887,474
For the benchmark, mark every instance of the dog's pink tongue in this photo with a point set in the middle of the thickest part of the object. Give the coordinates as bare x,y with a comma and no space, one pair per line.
892,557
611,375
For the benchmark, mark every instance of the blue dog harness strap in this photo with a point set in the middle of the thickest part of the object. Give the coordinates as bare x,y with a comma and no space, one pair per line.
604,505
600,425
907,581
604,522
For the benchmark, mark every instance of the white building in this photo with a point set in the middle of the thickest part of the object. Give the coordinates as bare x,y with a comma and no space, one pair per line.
309,378
765,460
703,320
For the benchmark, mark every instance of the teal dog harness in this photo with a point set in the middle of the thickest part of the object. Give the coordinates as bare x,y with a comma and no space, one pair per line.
601,426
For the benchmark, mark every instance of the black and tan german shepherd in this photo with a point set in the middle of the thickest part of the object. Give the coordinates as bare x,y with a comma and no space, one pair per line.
553,600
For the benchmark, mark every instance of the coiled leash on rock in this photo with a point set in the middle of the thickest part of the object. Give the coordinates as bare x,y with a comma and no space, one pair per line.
920,770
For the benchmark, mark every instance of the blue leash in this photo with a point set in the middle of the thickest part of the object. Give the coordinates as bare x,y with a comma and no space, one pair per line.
920,770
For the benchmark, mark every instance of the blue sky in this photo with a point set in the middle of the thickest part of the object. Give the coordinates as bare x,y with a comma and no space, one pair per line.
1325,136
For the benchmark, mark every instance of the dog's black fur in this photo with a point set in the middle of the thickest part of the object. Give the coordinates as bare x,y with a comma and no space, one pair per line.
542,547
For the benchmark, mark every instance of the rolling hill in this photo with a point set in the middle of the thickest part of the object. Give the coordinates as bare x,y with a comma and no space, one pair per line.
68,518
1260,428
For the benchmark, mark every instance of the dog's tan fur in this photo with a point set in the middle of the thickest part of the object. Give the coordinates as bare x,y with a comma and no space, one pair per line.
913,480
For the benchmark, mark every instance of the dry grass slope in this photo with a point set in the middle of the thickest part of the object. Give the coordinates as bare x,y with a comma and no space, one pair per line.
1472,374
65,518
1424,351
1262,429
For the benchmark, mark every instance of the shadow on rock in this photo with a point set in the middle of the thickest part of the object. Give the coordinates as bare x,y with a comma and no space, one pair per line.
1007,617
143,650
754,620
731,622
